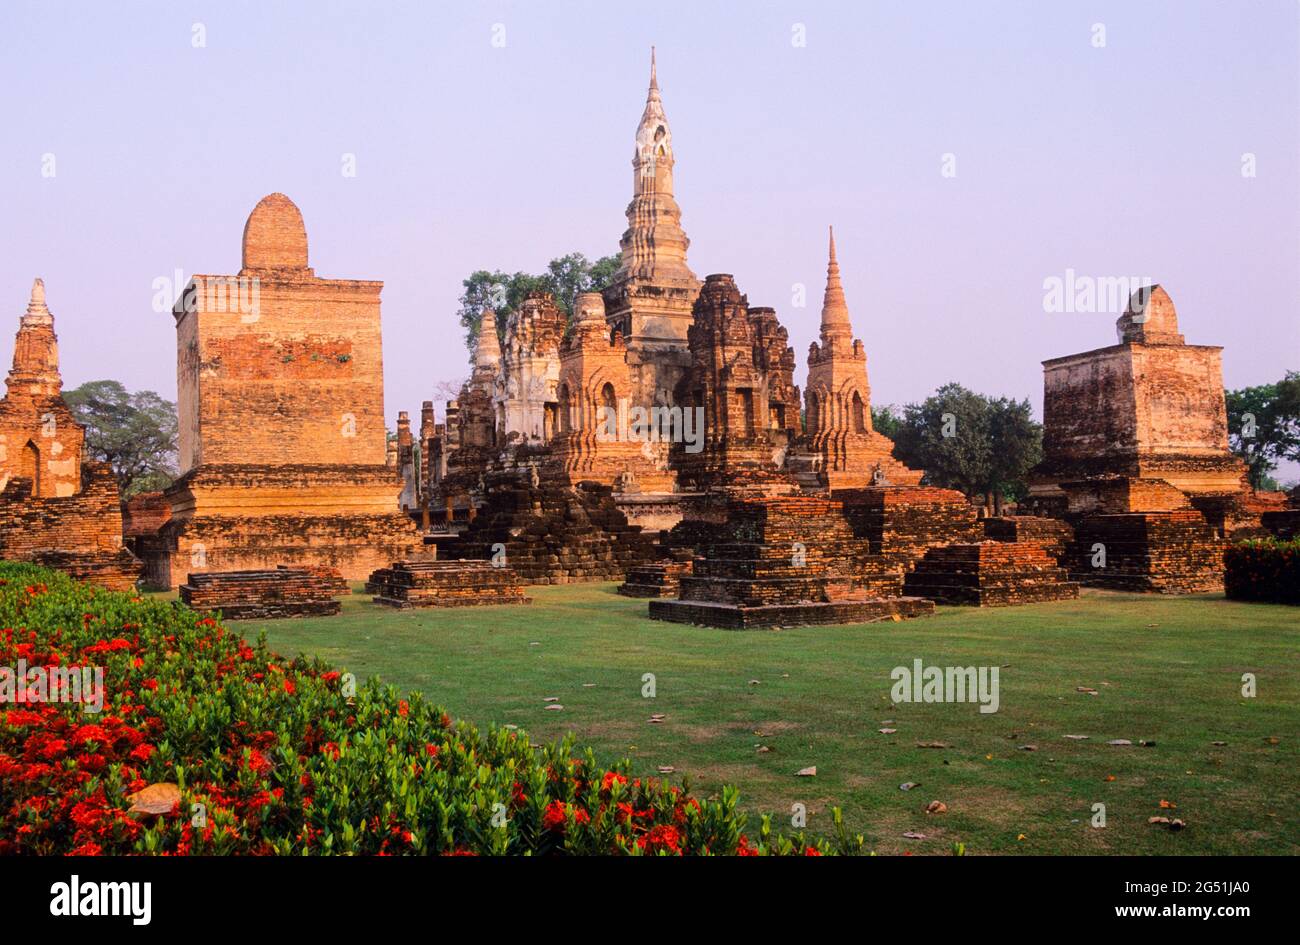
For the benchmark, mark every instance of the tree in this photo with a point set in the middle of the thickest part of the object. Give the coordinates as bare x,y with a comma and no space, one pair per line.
967,441
565,277
1264,426
133,433
886,420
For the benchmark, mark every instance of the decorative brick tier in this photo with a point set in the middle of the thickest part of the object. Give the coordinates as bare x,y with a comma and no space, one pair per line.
258,595
446,584
738,617
1174,552
658,578
990,574
1052,534
552,534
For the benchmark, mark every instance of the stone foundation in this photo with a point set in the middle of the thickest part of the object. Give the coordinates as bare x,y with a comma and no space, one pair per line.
446,584
989,574
551,534
740,617
658,578
262,595
257,517
1174,552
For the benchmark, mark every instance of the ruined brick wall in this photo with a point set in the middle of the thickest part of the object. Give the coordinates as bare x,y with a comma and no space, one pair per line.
80,534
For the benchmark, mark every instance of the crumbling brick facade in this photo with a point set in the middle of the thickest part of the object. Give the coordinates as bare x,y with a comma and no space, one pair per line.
56,507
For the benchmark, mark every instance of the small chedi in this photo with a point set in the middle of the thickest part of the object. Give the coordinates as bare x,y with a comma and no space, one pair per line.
1136,457
56,507
446,584
280,399
266,595
840,448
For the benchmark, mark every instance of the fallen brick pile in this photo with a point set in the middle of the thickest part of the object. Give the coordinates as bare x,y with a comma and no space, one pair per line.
990,574
258,595
446,584
1174,552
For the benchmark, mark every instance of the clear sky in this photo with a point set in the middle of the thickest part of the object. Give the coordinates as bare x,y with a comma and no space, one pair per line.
1119,160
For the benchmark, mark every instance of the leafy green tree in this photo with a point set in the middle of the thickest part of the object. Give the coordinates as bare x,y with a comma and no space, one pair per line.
981,445
565,277
135,433
1264,426
886,420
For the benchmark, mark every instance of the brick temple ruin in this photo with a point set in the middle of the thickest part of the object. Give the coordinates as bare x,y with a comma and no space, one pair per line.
57,507
283,452
1136,458
654,437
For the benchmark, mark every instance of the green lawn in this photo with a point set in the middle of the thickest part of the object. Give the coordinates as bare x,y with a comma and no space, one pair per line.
1166,670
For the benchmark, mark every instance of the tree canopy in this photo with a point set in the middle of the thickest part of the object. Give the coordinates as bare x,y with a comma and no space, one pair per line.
135,433
1264,426
565,277
980,445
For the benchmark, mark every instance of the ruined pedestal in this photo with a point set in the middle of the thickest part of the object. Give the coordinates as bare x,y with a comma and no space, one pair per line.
446,584
1173,552
552,534
657,578
780,561
989,574
261,595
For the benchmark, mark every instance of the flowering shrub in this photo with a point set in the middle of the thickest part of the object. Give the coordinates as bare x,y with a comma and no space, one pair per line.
1264,570
254,754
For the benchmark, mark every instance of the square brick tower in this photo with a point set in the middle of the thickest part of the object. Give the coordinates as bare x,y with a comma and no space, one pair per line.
281,403
1149,407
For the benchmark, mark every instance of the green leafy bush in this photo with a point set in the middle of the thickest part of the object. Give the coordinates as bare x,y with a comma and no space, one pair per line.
209,744
1263,570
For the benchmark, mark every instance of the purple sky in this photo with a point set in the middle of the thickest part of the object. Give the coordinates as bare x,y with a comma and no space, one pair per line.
1116,161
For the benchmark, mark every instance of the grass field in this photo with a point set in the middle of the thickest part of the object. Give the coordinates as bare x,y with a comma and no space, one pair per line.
1166,670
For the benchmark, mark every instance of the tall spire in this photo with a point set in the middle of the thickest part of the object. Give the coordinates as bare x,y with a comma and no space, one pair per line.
835,311
654,246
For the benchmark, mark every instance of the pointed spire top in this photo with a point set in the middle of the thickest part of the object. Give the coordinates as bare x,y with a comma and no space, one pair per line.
654,79
37,311
835,310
